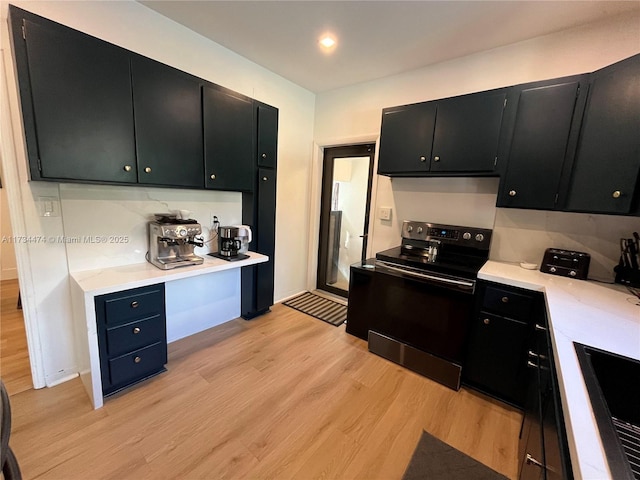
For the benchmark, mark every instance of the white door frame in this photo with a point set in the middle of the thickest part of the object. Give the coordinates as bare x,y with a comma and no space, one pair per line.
14,185
315,191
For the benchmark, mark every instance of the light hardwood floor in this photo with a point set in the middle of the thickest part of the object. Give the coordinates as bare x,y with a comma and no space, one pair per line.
15,370
284,396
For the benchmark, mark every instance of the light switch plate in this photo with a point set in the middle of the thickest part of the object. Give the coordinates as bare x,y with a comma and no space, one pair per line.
384,213
49,206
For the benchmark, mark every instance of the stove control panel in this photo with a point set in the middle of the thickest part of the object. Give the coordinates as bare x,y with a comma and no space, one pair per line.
479,238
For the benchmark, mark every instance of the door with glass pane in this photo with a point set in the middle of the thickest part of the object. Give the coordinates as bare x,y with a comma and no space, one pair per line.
344,218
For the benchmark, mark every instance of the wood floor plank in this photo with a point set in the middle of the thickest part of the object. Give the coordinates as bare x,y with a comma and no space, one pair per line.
284,396
15,369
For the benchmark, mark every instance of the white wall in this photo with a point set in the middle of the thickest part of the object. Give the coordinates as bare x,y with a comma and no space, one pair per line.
355,112
8,268
84,208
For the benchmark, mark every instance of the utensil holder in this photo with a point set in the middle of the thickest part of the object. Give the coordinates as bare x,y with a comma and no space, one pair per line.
627,276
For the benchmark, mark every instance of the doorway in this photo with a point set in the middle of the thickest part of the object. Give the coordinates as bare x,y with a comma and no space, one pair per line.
347,174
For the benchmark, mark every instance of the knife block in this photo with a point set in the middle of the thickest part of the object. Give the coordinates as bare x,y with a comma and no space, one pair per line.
627,276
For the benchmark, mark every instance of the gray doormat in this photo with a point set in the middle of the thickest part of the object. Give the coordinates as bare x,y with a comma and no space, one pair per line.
319,307
435,460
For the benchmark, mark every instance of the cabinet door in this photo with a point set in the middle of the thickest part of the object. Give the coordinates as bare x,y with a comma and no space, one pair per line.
539,146
266,236
168,122
267,136
406,138
467,133
228,140
496,358
80,90
605,171
362,305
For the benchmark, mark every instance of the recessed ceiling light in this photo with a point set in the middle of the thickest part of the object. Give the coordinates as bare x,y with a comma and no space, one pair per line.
327,41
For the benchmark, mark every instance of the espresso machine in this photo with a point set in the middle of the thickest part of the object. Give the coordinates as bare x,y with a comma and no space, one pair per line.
172,242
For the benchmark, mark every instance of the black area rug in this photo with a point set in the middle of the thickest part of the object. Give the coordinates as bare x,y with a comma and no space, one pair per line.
319,307
435,460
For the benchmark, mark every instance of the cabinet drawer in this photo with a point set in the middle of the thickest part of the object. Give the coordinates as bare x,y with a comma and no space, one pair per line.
137,364
130,336
134,304
507,302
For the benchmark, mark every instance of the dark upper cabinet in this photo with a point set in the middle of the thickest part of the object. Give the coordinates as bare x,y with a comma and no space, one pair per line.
467,133
457,135
76,100
604,177
228,145
266,236
267,120
168,124
540,143
406,138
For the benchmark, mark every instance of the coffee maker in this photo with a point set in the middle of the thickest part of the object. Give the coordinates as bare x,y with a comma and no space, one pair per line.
172,242
233,241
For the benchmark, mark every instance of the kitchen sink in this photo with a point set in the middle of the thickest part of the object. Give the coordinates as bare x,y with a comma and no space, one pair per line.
613,384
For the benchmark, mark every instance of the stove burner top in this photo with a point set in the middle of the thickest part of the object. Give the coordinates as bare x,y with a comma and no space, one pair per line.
444,249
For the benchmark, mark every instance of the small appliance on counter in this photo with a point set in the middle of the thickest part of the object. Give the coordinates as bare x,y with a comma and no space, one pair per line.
566,263
172,242
233,242
628,268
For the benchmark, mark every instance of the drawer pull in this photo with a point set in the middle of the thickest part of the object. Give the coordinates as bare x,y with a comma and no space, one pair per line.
486,321
136,330
264,155
505,299
540,328
137,359
532,461
530,364
134,304
537,355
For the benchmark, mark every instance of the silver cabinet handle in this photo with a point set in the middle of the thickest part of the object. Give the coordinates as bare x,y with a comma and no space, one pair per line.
533,354
213,176
147,169
616,194
532,461
127,168
264,179
505,299
137,359
134,304
136,330
486,321
436,159
512,193
264,155
423,159
540,328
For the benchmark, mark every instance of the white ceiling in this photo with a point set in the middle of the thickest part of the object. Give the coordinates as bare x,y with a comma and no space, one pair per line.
375,38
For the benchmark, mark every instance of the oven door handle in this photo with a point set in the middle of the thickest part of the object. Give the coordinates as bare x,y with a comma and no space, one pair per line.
462,284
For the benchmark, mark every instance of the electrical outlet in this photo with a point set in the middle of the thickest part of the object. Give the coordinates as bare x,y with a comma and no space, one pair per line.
49,206
384,213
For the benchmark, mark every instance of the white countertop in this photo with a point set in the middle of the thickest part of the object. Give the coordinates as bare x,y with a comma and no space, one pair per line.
113,279
595,314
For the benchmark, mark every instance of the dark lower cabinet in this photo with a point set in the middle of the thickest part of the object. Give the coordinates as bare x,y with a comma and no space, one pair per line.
363,304
544,450
228,140
75,92
132,336
259,212
168,122
604,178
500,339
541,143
